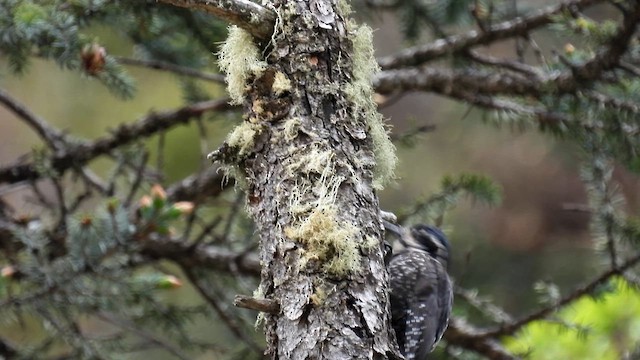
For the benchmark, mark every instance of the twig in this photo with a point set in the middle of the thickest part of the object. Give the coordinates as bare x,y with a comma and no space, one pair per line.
126,325
51,136
516,27
263,305
224,315
576,294
176,69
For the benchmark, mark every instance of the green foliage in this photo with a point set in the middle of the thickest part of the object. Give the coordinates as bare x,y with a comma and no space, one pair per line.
604,328
60,30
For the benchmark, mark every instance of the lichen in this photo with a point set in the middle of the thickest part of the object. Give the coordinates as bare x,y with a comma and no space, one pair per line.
314,161
239,59
291,127
326,239
360,92
243,137
281,83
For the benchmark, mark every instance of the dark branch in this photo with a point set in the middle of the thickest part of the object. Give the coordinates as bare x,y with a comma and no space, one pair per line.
263,305
80,154
176,69
517,27
589,288
50,135
256,19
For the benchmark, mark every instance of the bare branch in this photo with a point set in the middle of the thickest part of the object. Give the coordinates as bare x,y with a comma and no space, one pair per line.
464,335
256,19
51,136
84,152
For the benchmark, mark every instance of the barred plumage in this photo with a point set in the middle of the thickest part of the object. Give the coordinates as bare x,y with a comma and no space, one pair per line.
421,292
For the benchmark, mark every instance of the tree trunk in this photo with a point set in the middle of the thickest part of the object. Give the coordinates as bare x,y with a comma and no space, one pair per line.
313,149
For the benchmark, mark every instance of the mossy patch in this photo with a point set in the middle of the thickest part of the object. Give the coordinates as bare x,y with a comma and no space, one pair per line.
243,137
239,58
360,91
281,83
328,241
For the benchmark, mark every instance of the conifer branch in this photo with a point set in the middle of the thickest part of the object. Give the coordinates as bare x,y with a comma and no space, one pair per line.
519,26
81,153
168,67
511,328
255,19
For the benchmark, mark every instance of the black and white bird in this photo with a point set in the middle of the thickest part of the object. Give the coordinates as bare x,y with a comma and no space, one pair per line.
421,291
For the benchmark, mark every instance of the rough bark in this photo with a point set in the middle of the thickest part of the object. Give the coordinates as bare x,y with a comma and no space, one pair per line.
306,149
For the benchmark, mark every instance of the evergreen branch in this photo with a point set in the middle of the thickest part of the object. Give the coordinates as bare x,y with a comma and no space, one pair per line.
519,26
591,287
82,153
224,315
50,135
206,184
146,335
176,69
605,60
256,19
486,307
202,255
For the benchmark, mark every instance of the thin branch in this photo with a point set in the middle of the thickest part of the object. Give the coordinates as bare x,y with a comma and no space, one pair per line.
456,43
152,338
176,69
84,152
461,334
51,136
256,19
511,328
231,322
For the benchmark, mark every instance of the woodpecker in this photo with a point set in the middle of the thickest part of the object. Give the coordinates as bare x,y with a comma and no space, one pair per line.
421,292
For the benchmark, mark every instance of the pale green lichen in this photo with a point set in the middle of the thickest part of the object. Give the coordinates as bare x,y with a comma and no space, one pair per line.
239,58
291,127
326,239
243,137
360,91
314,161
281,83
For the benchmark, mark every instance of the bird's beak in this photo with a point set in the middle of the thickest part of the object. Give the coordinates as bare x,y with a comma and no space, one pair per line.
392,228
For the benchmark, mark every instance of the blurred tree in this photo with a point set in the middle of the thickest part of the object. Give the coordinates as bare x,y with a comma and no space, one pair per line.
90,275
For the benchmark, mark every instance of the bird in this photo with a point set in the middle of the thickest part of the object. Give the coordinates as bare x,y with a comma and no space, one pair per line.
421,292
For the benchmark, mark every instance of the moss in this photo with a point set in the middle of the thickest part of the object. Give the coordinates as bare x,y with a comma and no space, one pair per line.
360,91
239,59
281,83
